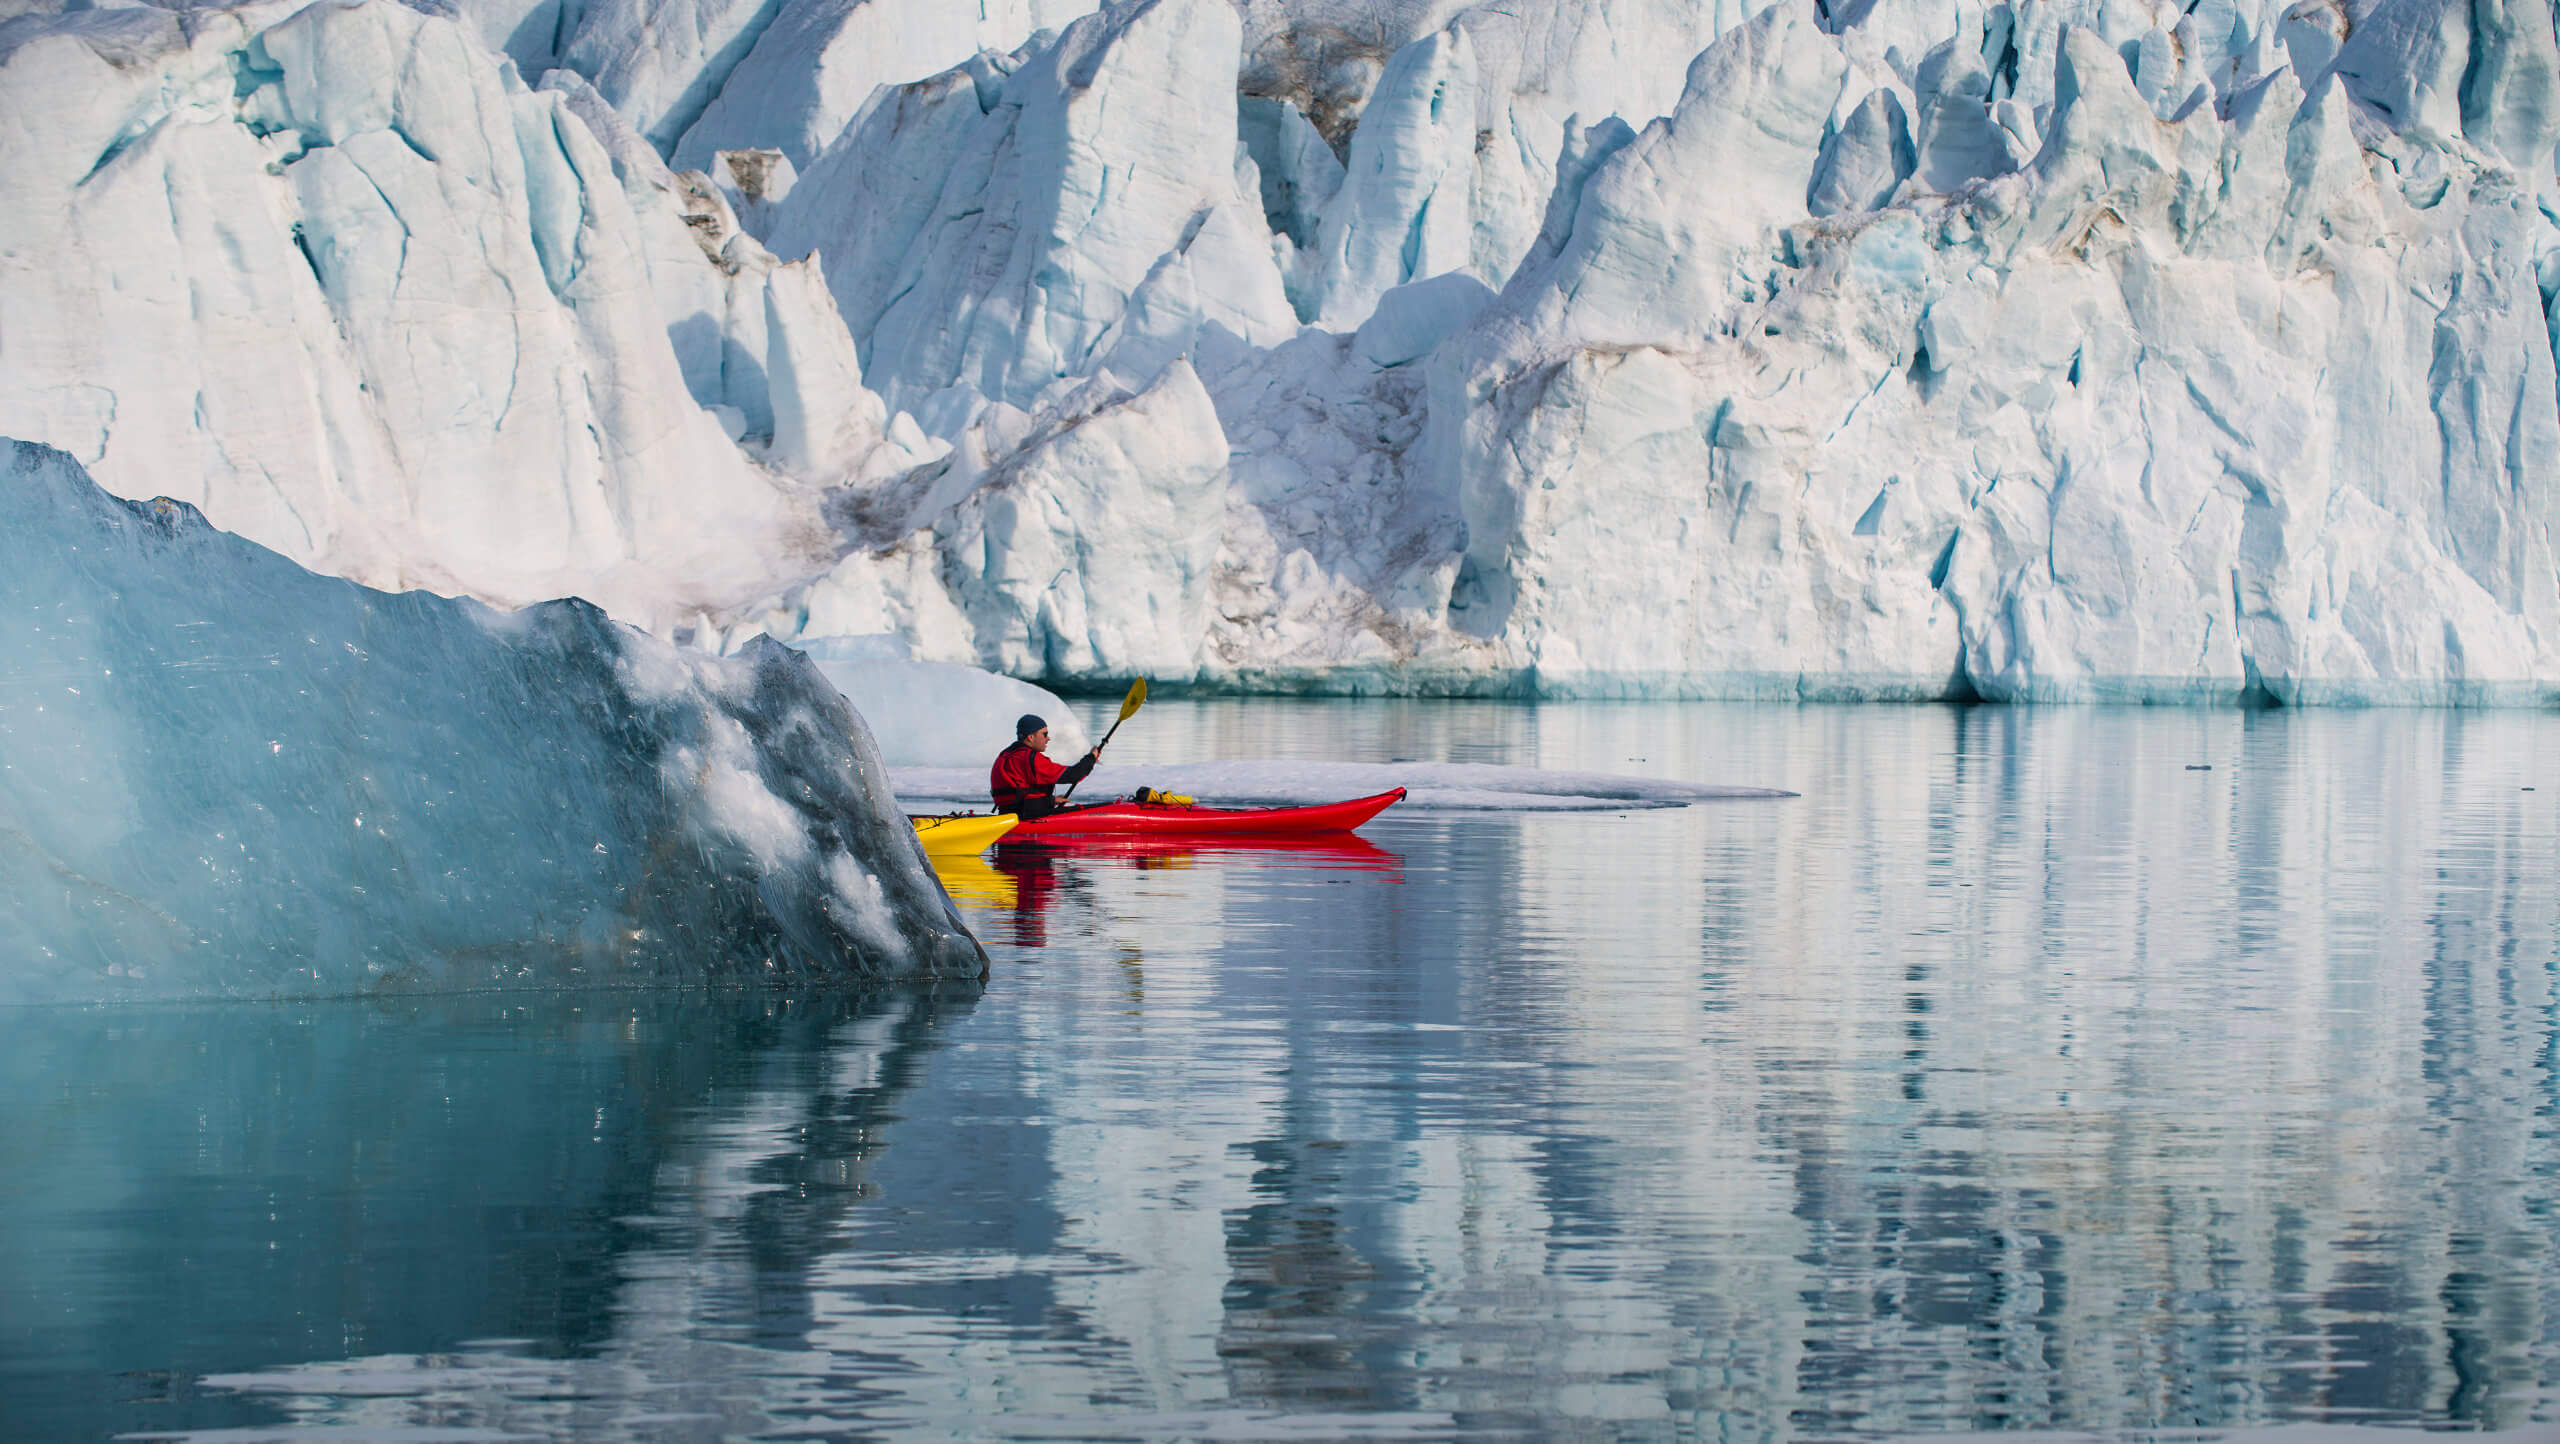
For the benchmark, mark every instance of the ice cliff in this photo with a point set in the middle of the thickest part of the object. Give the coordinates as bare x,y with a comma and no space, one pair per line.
334,275
2172,402
2076,349
223,775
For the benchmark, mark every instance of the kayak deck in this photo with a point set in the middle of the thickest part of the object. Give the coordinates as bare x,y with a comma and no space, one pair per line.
962,834
1152,819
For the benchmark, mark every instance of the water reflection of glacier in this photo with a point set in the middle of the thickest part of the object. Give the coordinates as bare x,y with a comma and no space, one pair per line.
2016,1075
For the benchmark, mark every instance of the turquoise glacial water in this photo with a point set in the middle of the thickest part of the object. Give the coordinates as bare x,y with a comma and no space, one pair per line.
2021,1074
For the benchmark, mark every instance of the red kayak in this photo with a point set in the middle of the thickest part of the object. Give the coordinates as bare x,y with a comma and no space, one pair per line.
1158,819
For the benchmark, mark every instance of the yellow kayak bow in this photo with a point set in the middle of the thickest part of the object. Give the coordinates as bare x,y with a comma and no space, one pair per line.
963,834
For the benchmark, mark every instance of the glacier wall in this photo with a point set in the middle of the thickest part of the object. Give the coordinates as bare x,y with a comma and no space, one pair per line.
2087,350
223,775
2176,404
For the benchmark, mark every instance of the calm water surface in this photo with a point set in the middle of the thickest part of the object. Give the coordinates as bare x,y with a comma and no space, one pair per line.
2019,1075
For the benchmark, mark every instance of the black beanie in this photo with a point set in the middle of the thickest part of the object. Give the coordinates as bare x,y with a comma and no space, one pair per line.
1026,724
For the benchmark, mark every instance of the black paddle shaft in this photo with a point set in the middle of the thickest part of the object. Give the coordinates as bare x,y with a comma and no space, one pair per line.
1097,752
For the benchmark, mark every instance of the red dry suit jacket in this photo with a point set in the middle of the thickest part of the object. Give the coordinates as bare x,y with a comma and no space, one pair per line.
1021,774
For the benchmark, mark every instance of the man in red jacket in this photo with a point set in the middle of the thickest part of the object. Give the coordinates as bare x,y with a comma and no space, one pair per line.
1024,780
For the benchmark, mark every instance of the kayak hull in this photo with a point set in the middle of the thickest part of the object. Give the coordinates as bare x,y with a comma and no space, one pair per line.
962,835
1148,819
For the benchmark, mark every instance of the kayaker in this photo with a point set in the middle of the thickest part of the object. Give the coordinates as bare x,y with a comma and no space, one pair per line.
1024,781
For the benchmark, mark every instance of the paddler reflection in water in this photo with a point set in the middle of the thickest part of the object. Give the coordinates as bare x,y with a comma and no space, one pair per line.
1037,886
1024,781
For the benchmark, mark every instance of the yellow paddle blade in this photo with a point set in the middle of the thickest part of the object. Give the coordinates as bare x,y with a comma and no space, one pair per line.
1136,699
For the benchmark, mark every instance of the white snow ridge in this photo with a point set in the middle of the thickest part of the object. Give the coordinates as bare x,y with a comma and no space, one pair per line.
2066,350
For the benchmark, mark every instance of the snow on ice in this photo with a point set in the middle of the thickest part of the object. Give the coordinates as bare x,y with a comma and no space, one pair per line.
2093,349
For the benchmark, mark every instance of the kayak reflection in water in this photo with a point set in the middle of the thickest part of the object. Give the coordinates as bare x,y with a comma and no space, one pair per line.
1008,898
1024,781
1036,883
1019,890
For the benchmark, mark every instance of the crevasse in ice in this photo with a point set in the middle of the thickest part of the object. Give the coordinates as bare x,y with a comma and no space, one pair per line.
2077,350
223,775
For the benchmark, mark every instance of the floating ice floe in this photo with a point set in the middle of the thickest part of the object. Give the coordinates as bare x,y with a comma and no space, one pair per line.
224,776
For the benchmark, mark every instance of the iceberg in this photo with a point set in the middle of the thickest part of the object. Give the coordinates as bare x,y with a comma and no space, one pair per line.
224,776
